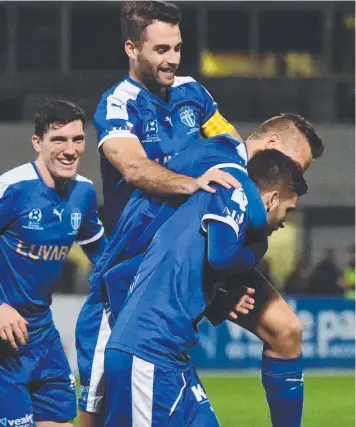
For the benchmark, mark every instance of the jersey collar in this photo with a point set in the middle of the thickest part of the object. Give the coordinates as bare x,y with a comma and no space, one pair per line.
51,191
154,98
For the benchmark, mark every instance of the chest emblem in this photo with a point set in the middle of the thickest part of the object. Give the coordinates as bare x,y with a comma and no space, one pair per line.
187,117
76,219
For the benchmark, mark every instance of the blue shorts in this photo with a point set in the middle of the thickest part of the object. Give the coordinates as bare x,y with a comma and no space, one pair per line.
36,384
140,393
93,331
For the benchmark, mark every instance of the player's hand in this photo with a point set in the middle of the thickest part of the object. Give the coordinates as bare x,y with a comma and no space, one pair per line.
215,176
13,328
245,304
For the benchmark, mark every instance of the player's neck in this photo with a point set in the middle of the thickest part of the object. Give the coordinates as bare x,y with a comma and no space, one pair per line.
161,92
57,184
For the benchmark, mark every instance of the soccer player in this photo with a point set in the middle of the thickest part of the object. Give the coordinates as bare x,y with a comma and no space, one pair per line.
45,206
151,381
141,122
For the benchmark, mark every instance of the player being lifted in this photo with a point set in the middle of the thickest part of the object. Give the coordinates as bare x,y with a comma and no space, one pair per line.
45,206
151,381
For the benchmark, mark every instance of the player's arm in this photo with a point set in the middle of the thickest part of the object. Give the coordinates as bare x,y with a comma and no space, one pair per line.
226,250
91,235
128,156
13,328
119,136
227,302
95,250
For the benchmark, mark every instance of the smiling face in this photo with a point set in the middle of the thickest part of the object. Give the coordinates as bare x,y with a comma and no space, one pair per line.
59,150
155,60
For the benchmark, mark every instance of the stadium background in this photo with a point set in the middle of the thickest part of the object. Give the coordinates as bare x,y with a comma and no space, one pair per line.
257,59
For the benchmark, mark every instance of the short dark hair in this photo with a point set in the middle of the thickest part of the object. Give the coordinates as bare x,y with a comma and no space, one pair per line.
285,121
57,112
273,170
136,16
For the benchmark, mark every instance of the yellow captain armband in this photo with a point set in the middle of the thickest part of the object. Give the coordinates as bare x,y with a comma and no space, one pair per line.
216,125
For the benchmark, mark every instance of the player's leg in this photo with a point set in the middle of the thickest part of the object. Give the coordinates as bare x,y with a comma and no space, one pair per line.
199,412
15,399
140,393
53,387
279,328
92,333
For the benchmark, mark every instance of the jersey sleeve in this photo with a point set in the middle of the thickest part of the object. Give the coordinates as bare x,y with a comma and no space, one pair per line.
8,199
91,228
208,103
115,118
229,207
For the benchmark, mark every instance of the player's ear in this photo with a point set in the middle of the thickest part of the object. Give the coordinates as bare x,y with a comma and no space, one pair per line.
271,200
36,143
272,142
131,49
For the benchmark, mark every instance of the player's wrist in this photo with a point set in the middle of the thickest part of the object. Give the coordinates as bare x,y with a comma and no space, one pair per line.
193,185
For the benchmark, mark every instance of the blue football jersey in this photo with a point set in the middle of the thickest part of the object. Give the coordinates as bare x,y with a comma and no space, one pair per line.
158,321
164,129
144,214
37,230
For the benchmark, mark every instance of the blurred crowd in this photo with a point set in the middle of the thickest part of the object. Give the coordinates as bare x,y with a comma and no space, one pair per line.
326,279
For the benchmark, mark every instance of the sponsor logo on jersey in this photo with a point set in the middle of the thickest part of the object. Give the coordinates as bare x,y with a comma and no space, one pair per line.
34,219
83,396
168,119
26,421
43,252
58,213
76,219
72,382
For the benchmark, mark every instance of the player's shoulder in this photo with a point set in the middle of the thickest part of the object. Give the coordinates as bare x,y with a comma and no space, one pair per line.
82,180
18,176
191,86
85,190
122,93
184,80
119,102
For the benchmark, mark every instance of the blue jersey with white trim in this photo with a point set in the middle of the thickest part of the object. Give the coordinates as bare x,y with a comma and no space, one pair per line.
174,283
37,230
164,129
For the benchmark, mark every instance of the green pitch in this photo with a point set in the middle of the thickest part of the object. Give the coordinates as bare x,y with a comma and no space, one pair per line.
329,401
240,401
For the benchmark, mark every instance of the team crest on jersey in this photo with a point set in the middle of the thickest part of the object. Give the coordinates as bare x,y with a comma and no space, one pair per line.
34,219
187,116
76,219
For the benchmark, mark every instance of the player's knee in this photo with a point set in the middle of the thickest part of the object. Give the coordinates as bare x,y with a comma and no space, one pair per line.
295,333
290,338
